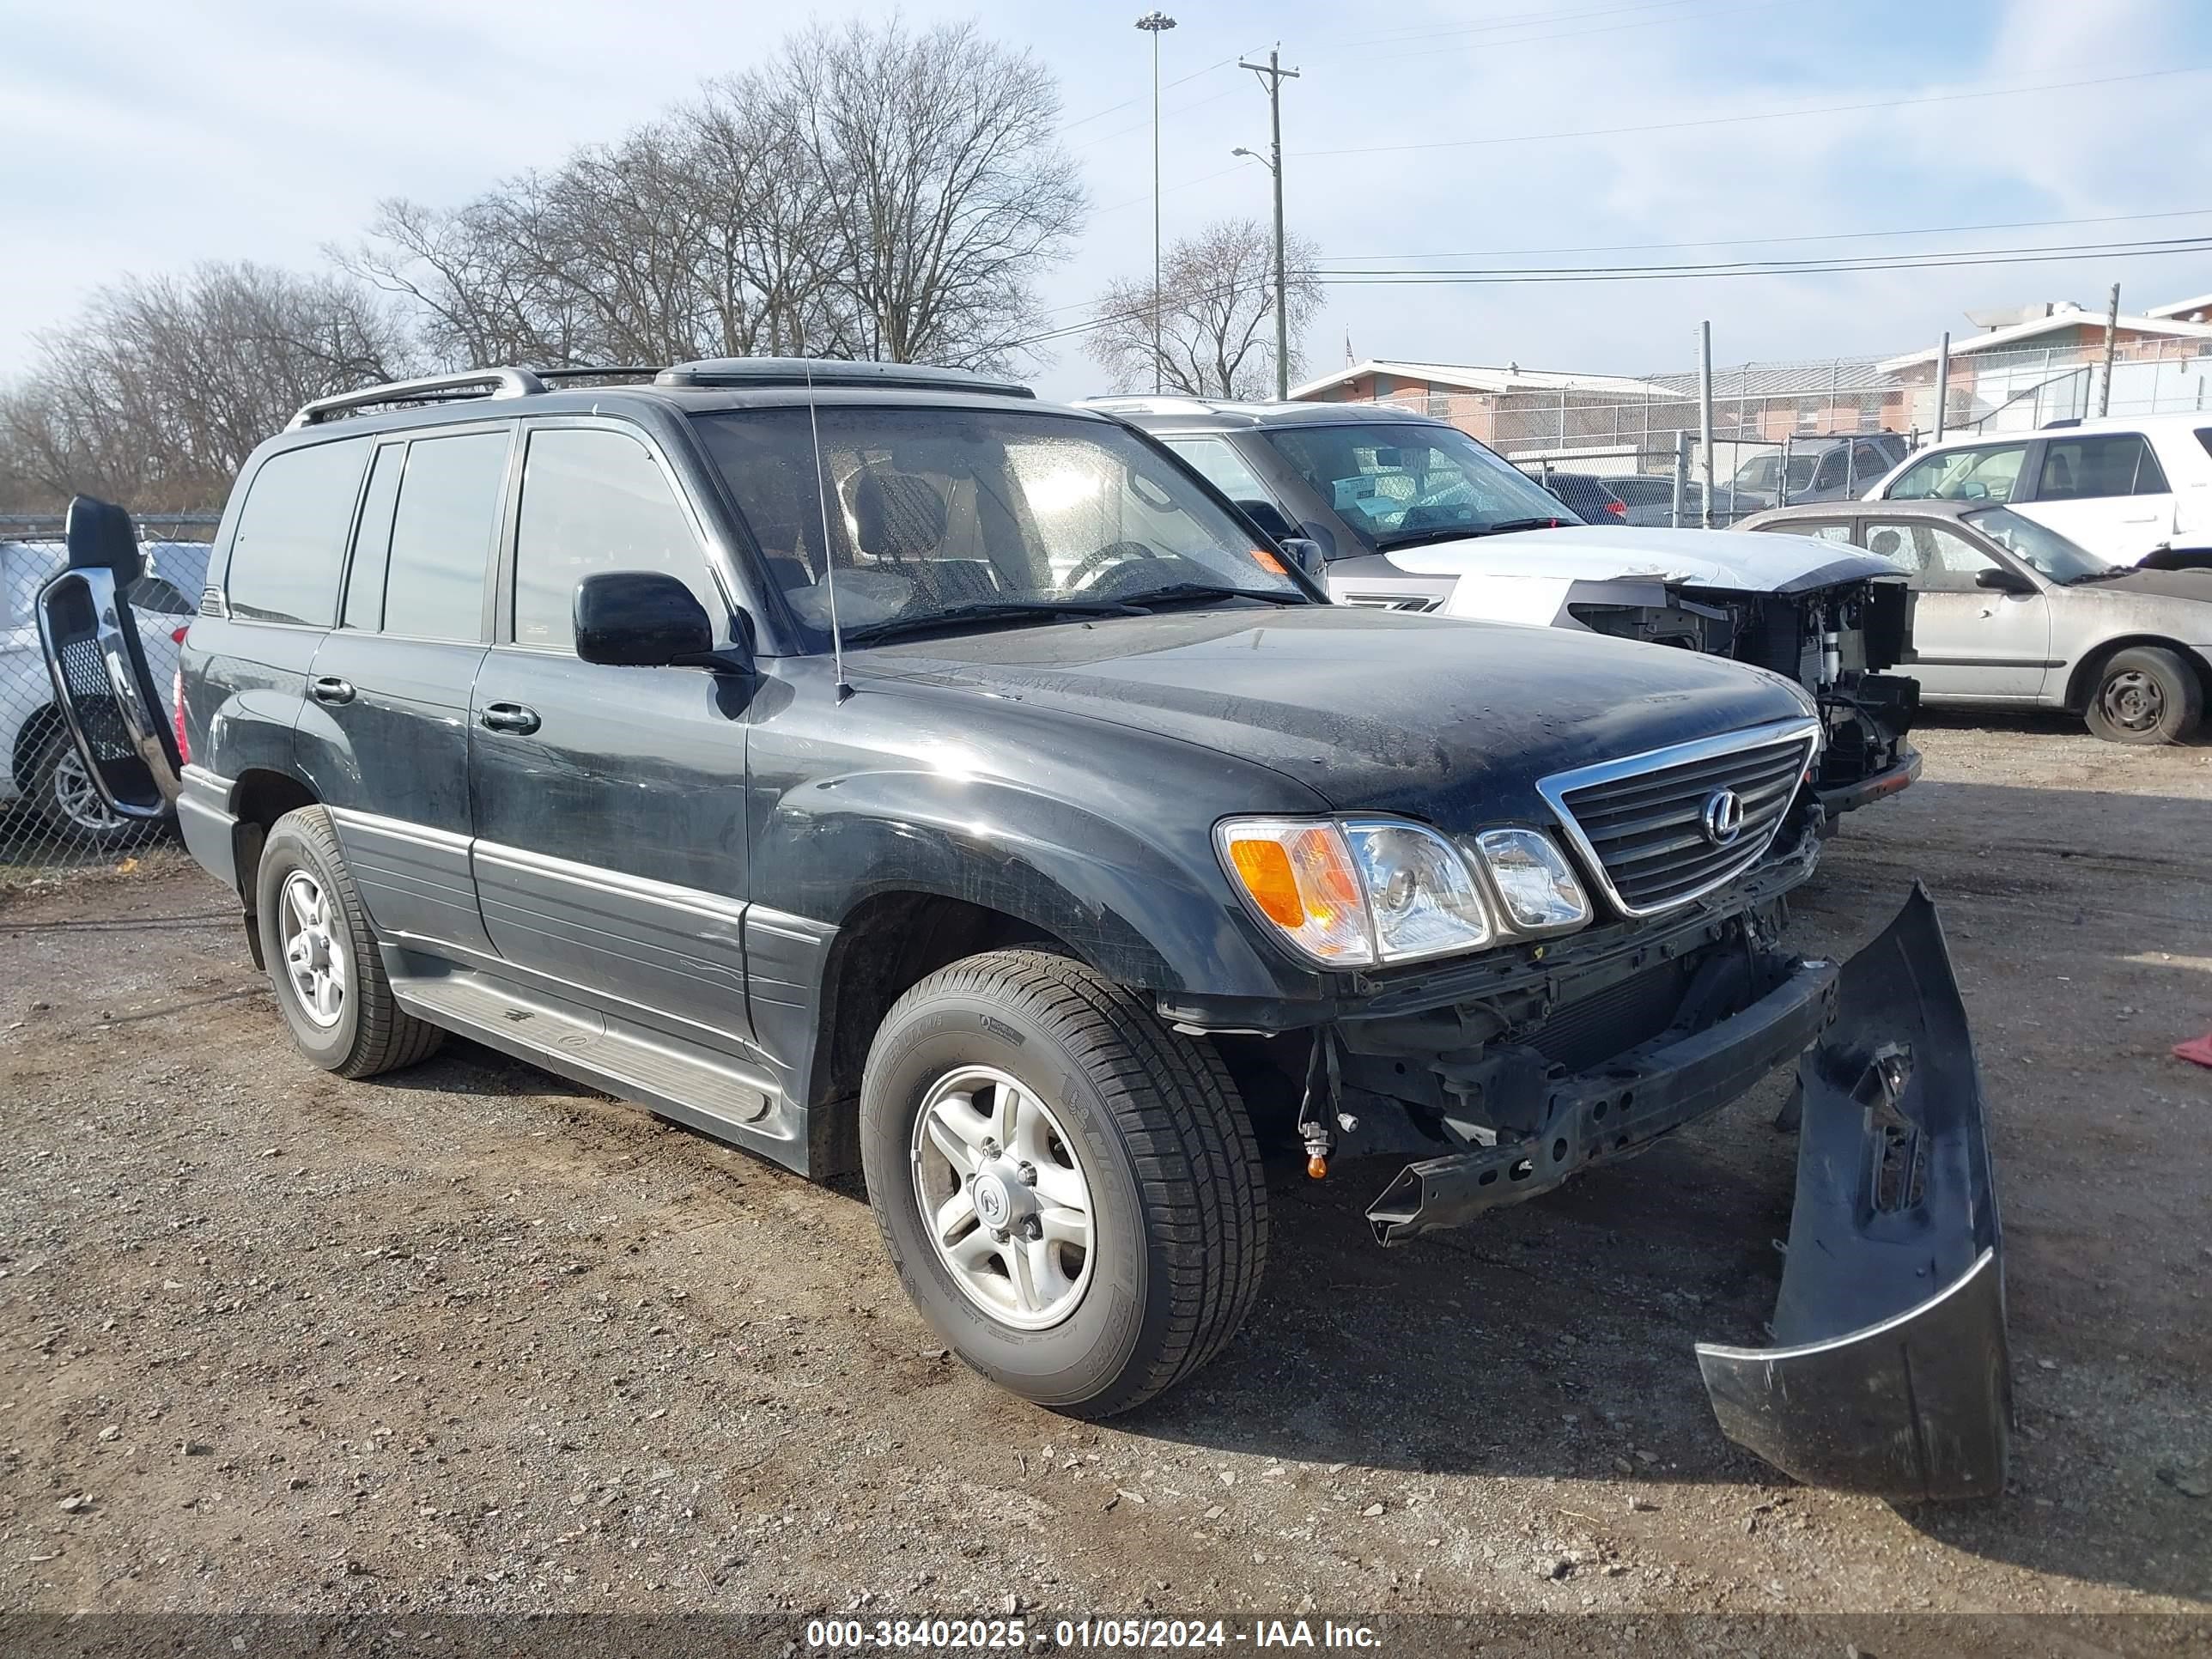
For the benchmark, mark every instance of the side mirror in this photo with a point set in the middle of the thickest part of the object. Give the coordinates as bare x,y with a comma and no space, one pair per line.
101,536
1998,579
639,619
1269,517
1306,554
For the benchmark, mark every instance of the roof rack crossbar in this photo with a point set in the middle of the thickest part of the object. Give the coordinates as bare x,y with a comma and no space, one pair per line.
585,371
431,388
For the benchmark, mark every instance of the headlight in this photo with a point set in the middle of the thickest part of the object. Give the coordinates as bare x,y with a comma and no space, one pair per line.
1534,879
1351,895
1419,890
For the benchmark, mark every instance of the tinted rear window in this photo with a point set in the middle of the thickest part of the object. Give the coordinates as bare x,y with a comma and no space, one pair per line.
292,534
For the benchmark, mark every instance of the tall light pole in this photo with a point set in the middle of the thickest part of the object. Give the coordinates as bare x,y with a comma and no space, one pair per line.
1275,75
1154,23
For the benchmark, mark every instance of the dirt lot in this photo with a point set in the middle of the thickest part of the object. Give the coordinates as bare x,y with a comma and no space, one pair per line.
470,1338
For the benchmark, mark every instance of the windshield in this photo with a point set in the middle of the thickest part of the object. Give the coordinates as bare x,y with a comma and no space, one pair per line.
2050,553
945,516
1397,485
1760,471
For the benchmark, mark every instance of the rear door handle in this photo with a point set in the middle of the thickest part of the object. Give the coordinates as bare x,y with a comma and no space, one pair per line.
330,689
509,717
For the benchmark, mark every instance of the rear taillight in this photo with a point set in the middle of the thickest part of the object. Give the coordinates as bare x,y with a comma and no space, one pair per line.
1616,510
176,697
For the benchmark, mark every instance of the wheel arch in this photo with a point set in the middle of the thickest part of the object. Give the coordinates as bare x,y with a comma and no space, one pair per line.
258,797
888,943
2081,681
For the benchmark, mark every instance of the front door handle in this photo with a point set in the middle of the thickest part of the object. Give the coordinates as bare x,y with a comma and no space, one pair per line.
509,717
330,689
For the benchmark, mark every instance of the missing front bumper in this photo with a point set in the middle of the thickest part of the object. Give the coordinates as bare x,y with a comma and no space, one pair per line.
1621,1108
1891,1373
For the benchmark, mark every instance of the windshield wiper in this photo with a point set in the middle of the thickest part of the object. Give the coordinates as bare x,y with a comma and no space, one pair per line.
990,610
1179,593
1454,532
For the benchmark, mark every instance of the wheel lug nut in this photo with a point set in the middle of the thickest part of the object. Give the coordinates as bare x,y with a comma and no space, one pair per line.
1028,1173
999,1235
1032,1229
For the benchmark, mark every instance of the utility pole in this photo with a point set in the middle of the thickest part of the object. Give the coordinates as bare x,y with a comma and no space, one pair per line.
1274,74
1942,386
1155,23
1705,418
2112,341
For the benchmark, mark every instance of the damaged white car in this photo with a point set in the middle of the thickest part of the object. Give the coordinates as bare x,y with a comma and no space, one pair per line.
1412,515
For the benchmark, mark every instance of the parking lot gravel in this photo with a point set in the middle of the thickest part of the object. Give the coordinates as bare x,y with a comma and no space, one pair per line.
470,1338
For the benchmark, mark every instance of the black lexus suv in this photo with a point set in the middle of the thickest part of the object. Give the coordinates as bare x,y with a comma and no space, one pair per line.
876,769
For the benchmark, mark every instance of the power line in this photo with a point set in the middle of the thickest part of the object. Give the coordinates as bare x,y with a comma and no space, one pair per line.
1934,260
2063,253
1764,115
1770,241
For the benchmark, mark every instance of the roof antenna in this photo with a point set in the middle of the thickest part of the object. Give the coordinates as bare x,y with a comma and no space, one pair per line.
829,556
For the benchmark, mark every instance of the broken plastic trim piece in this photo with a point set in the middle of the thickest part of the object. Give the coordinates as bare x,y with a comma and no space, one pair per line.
1891,1373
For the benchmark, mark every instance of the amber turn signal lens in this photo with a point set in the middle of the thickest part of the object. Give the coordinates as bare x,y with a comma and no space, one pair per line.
1266,869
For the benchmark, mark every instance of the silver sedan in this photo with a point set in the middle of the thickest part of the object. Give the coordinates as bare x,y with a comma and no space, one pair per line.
2008,612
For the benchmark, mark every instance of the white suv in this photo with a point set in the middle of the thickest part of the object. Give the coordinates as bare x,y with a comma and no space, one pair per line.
38,765
2121,488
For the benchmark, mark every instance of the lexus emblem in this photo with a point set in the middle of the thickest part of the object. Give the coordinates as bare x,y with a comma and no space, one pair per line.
1723,816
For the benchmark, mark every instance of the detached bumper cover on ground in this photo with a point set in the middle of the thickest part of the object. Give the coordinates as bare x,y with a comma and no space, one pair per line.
1890,1373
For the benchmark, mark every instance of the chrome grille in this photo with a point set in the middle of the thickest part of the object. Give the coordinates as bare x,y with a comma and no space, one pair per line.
1640,823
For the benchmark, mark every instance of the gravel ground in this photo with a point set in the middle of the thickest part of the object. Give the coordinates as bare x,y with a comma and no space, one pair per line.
470,1338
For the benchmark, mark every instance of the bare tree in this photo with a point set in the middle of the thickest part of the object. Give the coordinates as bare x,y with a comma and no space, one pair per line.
158,392
1215,315
874,192
949,193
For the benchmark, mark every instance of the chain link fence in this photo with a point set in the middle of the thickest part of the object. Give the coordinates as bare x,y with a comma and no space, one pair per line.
1817,429
51,818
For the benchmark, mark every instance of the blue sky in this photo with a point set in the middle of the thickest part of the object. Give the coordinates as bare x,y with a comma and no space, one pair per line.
144,136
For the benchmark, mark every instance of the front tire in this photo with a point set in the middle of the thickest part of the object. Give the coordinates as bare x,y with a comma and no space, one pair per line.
331,983
2146,694
1070,1190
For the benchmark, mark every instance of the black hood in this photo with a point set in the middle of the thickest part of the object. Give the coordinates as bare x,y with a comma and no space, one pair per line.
1374,710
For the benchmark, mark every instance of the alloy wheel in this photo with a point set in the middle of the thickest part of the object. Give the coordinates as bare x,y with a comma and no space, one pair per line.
77,799
1003,1197
314,955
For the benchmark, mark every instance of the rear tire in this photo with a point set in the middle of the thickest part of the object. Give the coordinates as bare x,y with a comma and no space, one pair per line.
331,983
2145,694
1103,1111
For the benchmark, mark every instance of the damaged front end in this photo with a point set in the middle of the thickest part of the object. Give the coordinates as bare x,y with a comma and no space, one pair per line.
1890,1374
1833,639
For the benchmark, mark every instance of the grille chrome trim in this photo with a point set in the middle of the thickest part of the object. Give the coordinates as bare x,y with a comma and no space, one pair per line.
1802,733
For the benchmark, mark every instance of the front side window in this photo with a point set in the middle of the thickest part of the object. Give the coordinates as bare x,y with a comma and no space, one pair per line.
1399,486
931,516
2104,463
1931,555
1220,465
594,500
441,534
1986,474
291,537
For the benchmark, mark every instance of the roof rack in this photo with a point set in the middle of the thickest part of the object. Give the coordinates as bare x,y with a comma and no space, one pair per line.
430,389
834,371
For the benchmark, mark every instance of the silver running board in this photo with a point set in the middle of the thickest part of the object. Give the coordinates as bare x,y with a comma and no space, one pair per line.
711,1093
